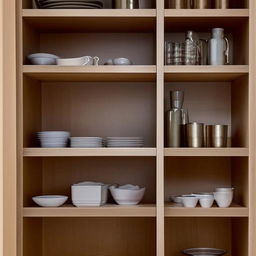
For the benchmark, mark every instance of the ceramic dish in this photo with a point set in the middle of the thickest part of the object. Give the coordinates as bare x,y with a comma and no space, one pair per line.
189,201
127,196
50,200
223,199
204,252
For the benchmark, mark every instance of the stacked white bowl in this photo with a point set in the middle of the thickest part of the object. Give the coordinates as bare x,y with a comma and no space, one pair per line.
50,200
89,193
223,196
42,59
86,142
53,139
125,142
127,194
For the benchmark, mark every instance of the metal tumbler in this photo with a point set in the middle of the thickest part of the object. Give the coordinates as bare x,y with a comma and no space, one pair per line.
221,4
178,4
202,4
216,136
126,4
195,135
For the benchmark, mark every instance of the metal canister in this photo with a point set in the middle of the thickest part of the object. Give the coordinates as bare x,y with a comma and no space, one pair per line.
195,135
202,4
221,4
216,136
178,4
126,4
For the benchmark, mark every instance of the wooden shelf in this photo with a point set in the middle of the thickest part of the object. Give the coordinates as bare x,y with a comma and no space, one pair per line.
205,73
196,19
51,152
222,152
91,73
234,211
142,210
105,20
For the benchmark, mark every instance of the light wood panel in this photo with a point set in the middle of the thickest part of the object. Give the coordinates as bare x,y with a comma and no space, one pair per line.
204,73
105,20
206,152
92,73
171,210
51,152
141,210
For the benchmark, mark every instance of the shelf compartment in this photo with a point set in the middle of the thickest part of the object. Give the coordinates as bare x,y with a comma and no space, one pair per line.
91,73
221,152
73,152
89,236
230,234
235,210
177,20
204,73
105,20
142,210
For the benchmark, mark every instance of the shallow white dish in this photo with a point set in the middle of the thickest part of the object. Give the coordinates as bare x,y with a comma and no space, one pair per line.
50,200
42,55
42,61
127,196
122,61
81,61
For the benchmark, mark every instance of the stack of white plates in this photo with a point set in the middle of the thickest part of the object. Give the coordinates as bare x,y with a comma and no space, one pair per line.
53,139
69,4
125,142
86,142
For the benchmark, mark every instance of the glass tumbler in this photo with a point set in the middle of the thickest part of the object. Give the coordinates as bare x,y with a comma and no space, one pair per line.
174,53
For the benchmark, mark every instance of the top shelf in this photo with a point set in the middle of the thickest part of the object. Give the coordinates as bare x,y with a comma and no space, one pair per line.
122,20
91,20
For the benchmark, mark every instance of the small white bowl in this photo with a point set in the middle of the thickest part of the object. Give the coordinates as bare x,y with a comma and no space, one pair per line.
206,202
42,59
122,61
127,196
50,200
223,199
189,201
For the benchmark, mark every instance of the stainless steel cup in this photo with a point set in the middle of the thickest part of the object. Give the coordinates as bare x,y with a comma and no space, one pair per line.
202,4
178,4
126,4
216,136
195,135
221,4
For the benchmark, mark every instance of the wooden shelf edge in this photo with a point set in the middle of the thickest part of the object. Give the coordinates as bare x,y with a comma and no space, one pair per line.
103,211
53,152
27,69
111,13
233,211
173,13
242,69
222,152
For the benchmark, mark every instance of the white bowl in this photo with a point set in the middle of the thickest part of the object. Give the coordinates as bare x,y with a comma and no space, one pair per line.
81,61
42,55
50,200
223,199
54,134
224,189
42,61
127,196
122,61
206,202
189,201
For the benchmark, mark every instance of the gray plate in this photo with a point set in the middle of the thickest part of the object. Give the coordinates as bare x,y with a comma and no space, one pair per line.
64,1
204,252
71,4
72,7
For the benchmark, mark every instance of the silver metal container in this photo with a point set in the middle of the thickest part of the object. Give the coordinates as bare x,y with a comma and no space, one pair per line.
202,4
126,4
195,135
216,136
221,4
178,4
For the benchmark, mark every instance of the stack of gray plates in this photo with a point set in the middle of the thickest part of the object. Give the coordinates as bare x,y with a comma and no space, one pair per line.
124,142
204,252
53,139
86,142
69,4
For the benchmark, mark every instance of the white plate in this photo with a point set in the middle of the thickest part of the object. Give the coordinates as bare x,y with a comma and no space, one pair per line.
71,4
72,7
124,138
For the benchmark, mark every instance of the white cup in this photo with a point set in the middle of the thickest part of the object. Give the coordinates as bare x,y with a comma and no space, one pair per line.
223,199
206,202
189,201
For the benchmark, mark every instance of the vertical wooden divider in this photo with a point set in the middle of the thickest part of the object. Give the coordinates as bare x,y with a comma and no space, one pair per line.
160,126
252,126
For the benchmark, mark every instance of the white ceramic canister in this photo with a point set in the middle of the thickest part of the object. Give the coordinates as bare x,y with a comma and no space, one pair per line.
218,48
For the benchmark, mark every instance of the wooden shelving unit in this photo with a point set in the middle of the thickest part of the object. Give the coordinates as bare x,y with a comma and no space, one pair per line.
127,101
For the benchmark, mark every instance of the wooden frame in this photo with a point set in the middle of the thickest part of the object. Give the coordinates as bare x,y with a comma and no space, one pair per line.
11,117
